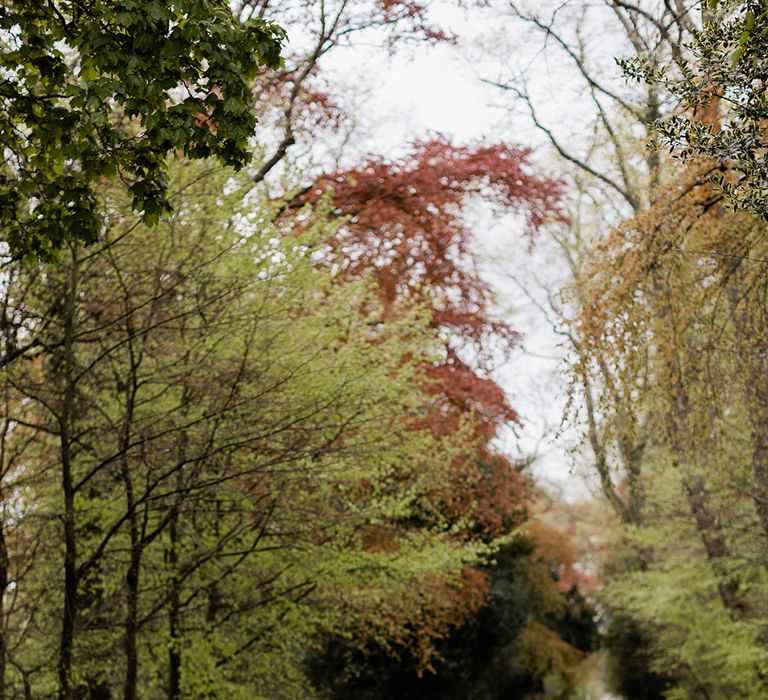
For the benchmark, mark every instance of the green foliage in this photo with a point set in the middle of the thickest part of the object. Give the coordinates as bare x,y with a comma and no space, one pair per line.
107,90
238,426
710,651
679,314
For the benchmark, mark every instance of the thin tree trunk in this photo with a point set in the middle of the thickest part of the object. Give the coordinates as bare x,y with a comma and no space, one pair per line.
68,491
714,543
174,650
3,586
133,574
132,613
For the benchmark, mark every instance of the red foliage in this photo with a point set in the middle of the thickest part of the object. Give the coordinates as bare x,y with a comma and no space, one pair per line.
488,490
403,223
462,391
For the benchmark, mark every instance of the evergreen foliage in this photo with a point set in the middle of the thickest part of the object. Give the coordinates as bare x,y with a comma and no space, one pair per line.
720,84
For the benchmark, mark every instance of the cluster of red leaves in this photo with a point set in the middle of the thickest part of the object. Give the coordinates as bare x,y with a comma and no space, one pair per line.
460,391
403,223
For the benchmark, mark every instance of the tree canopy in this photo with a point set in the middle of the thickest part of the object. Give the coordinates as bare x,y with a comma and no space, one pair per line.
94,90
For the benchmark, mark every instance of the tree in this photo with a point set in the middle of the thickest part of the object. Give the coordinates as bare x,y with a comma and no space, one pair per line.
637,365
94,90
683,286
401,221
612,175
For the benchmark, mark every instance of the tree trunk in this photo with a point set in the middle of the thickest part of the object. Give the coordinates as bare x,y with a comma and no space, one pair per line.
714,543
3,586
132,613
133,574
174,650
68,490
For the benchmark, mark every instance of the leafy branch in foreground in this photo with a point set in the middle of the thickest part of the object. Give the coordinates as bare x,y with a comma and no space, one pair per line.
104,89
721,86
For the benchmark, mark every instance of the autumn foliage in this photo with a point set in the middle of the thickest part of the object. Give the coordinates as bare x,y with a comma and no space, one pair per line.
403,223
